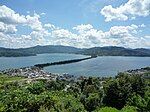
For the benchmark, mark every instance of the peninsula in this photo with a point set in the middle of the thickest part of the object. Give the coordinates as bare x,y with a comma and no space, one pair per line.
63,62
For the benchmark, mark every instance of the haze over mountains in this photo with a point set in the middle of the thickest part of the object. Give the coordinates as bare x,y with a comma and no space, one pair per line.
100,51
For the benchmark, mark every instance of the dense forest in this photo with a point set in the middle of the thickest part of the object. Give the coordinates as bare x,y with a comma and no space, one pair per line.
98,51
123,93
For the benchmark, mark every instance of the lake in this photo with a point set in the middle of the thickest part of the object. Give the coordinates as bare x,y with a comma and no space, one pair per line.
100,66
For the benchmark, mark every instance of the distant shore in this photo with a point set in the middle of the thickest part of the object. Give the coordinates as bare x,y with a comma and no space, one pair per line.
99,51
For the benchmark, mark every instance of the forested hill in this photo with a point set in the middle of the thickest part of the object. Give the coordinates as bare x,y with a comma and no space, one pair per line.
6,52
31,51
52,49
100,51
116,51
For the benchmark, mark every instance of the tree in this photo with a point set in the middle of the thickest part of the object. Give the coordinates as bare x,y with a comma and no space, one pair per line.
116,94
121,88
92,102
142,104
107,109
36,88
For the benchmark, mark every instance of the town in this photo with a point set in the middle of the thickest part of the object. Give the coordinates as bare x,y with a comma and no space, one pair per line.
35,73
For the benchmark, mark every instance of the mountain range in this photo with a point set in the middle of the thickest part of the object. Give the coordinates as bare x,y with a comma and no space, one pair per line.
96,51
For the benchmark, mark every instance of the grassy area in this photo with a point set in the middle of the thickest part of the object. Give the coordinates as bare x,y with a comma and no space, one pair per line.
6,78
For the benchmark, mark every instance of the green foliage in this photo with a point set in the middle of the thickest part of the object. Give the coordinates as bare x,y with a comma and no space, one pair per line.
116,92
142,103
55,85
92,94
92,102
20,100
128,109
67,103
107,109
122,88
10,82
124,93
6,78
44,109
36,88
110,109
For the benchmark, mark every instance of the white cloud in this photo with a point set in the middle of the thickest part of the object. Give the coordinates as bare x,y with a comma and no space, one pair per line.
144,41
64,37
83,27
131,9
84,35
87,36
124,35
111,13
8,16
61,33
122,31
142,25
50,26
116,36
34,22
7,28
9,20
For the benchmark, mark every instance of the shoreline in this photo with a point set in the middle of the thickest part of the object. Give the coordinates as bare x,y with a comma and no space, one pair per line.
34,72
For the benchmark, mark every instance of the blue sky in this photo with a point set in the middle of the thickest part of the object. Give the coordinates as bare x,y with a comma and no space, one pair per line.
88,14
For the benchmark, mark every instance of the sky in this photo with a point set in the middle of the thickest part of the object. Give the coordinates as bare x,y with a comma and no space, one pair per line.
78,23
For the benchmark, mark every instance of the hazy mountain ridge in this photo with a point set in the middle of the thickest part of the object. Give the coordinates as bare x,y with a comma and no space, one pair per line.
32,51
116,51
100,51
52,49
7,52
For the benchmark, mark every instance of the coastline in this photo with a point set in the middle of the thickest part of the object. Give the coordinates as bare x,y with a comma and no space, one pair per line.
34,72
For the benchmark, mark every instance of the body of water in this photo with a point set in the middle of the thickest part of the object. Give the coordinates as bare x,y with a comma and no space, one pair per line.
100,66
17,62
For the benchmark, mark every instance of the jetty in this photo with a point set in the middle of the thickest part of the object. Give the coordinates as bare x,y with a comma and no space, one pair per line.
63,62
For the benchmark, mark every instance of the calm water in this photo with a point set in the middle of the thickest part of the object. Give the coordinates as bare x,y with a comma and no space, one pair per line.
100,66
17,62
